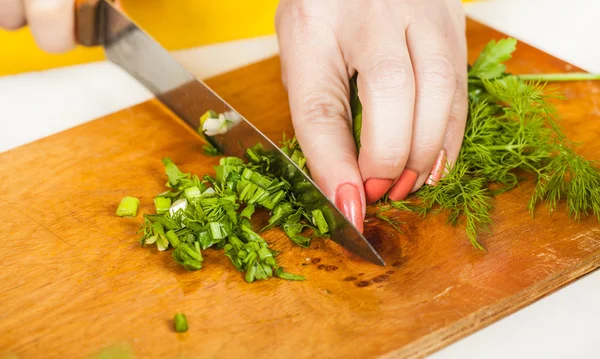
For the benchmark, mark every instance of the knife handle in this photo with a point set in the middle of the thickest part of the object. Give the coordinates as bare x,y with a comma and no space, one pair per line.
87,22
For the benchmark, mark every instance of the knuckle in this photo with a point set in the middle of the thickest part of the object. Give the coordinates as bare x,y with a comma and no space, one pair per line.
389,157
440,71
304,11
422,149
391,75
319,109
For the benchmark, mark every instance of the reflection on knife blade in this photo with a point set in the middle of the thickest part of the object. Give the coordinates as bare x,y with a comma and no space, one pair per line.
133,50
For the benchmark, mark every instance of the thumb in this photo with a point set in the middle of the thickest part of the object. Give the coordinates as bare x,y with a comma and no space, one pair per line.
318,89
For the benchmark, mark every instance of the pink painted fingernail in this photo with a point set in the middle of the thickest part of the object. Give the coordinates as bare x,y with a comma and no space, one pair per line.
347,200
438,169
405,183
375,188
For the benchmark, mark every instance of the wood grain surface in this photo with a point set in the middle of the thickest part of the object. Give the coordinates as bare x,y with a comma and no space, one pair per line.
74,280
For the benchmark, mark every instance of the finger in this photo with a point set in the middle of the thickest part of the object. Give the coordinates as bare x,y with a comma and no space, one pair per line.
12,14
456,123
458,115
387,90
435,77
52,23
318,90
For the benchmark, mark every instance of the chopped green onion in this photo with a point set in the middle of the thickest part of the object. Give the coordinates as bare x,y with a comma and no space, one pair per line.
179,205
162,204
192,193
128,207
251,273
320,221
181,324
162,243
173,239
198,213
289,276
248,211
215,230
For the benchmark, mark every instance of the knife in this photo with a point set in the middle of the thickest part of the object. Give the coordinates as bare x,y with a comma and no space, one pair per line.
101,23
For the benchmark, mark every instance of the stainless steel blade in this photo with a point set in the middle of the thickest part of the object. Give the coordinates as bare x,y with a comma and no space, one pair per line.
142,57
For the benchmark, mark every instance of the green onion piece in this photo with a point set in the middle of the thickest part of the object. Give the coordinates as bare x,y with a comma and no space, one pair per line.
302,241
243,188
253,156
268,270
260,180
192,193
162,204
247,173
250,258
128,207
162,243
181,324
248,211
251,272
320,221
263,253
288,276
215,230
173,238
150,240
258,195
260,272
272,201
190,252
205,239
189,238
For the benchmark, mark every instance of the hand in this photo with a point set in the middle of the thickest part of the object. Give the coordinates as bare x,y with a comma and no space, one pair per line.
411,59
52,22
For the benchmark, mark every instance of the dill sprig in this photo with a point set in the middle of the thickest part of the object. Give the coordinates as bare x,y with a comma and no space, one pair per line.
569,176
392,222
512,127
462,194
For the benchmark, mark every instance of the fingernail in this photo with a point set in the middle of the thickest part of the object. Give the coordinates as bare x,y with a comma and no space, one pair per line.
438,169
375,188
405,183
347,200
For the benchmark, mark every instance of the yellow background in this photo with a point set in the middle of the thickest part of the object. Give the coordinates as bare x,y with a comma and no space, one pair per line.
176,24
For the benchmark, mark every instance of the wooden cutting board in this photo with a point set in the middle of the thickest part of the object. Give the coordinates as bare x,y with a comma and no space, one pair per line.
74,279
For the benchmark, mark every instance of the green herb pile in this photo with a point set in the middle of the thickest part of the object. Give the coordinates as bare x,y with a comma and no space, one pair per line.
511,129
196,214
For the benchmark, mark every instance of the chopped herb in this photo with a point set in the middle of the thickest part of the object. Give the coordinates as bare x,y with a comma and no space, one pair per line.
173,239
320,221
181,324
214,212
128,207
211,150
282,274
162,204
394,223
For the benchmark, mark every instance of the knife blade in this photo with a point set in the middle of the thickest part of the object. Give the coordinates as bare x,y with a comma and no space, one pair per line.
99,22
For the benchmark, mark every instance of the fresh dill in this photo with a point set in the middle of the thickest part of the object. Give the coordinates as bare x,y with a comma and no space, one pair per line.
511,127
